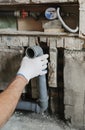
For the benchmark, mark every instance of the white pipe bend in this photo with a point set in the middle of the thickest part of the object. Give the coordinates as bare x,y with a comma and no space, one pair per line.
63,23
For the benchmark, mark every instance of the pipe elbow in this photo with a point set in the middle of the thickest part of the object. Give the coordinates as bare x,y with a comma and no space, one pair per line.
34,51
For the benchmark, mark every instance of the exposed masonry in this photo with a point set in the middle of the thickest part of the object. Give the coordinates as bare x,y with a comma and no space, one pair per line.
18,42
68,42
74,87
36,1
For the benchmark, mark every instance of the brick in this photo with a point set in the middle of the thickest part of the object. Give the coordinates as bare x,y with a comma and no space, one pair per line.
78,111
23,1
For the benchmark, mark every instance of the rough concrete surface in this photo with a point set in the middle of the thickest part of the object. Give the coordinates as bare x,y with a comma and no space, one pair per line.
32,121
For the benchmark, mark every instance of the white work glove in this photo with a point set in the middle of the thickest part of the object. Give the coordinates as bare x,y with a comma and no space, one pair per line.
31,68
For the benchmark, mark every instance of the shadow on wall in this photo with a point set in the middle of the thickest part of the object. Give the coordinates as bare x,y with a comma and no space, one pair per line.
9,66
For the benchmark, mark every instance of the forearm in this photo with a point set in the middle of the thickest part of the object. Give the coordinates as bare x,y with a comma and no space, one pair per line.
10,97
29,68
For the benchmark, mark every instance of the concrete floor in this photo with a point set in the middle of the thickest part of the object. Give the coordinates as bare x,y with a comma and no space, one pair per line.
32,121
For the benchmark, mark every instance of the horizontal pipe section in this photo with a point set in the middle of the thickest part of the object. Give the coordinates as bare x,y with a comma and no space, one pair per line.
26,105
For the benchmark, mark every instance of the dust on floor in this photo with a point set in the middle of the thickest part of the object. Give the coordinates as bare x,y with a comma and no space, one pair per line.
33,121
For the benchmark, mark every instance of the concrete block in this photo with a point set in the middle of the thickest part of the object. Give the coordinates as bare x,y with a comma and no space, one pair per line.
52,76
74,70
68,112
73,43
22,1
52,1
68,97
32,41
15,41
60,42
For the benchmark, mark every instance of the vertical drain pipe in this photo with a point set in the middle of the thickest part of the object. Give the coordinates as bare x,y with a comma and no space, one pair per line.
32,52
42,104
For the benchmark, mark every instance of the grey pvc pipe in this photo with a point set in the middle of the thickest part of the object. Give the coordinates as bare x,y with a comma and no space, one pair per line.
64,25
32,52
26,105
42,105
42,88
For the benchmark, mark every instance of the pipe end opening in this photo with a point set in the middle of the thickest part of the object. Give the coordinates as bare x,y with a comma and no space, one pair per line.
30,53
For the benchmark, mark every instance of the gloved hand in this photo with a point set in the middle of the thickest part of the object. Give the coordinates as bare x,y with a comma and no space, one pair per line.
31,68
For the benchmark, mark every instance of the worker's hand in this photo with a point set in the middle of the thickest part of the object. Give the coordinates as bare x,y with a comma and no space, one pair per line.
31,68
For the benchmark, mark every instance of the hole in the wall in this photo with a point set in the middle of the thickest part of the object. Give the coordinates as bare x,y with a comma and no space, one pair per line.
60,82
56,95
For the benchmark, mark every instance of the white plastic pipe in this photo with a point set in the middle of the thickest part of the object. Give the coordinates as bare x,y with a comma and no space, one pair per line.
63,23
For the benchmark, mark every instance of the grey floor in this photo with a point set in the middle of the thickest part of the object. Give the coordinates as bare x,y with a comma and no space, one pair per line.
32,121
